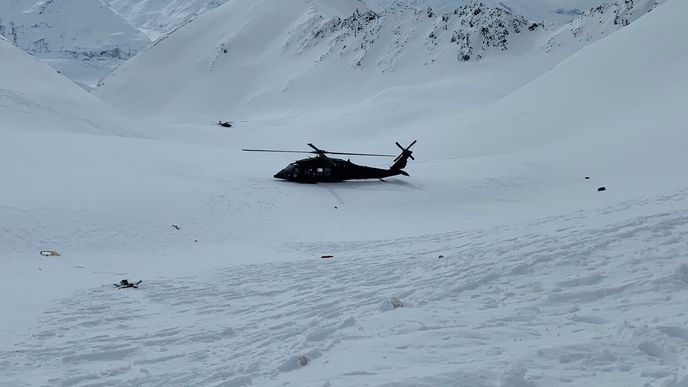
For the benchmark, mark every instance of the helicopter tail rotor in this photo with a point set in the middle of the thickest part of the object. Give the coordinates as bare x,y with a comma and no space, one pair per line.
400,161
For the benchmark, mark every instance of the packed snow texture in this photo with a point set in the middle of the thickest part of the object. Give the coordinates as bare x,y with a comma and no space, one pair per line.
496,263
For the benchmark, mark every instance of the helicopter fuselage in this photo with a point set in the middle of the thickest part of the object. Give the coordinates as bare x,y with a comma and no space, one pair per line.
323,168
319,169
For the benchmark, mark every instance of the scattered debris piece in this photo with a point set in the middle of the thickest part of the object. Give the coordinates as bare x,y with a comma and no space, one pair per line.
50,253
327,256
601,189
177,227
195,240
396,303
587,177
336,207
123,284
304,360
441,256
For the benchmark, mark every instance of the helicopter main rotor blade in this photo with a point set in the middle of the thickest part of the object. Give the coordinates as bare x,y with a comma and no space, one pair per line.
275,151
316,149
324,152
358,154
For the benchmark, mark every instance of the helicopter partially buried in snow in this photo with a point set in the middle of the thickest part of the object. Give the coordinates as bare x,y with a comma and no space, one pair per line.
321,168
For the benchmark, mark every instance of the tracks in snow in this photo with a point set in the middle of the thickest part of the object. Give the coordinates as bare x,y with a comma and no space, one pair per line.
553,304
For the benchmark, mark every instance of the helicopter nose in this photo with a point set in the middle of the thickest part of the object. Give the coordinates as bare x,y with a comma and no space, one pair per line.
280,175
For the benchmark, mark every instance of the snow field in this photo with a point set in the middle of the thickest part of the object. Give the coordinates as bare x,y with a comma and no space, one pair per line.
557,302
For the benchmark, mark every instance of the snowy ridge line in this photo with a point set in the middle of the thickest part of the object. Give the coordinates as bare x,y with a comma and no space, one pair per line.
587,304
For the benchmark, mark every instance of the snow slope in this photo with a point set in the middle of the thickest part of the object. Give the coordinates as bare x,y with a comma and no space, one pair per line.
543,281
82,38
34,97
598,22
157,18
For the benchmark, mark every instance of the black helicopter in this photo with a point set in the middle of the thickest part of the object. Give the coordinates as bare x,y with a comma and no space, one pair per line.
227,124
322,168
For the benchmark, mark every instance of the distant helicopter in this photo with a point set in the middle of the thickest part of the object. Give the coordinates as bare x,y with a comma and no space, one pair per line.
321,168
227,124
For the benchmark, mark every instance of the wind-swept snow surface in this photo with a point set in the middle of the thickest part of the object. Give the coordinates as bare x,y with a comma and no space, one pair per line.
509,266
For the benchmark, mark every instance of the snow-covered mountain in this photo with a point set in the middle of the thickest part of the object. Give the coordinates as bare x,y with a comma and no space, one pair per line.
374,33
83,39
598,22
234,48
470,31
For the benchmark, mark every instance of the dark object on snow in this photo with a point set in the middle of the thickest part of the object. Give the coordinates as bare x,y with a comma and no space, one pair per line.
601,189
327,256
126,284
323,168
587,177
441,256
226,124
50,253
396,304
304,360
176,227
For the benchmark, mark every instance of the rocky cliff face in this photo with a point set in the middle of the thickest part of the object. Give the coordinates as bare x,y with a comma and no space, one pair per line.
367,37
